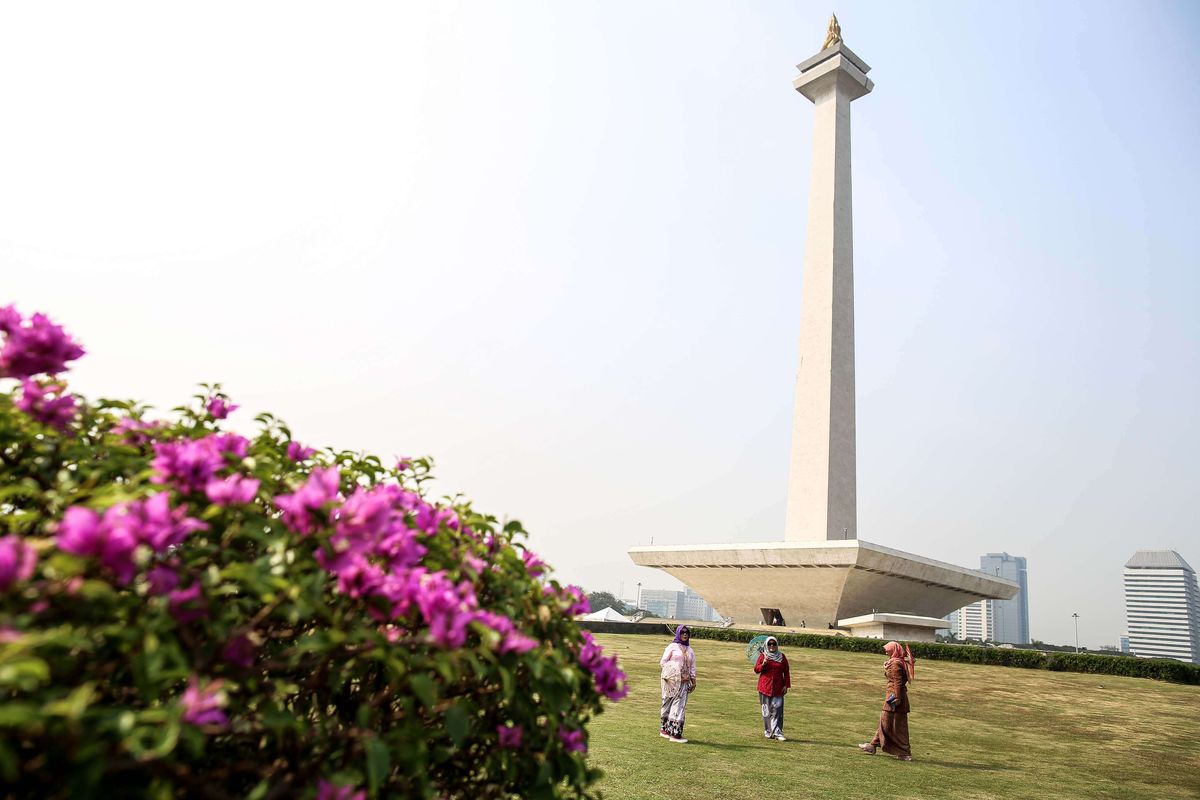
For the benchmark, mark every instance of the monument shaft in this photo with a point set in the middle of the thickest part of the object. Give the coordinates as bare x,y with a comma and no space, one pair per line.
822,476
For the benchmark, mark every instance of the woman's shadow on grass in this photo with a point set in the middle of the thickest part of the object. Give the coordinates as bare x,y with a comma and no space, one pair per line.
840,745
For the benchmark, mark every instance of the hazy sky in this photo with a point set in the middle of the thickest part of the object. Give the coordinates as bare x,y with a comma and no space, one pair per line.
558,246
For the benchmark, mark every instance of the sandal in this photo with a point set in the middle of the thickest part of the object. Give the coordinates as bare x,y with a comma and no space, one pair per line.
867,748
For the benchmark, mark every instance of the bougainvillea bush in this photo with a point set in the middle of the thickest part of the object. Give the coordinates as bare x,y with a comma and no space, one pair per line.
188,612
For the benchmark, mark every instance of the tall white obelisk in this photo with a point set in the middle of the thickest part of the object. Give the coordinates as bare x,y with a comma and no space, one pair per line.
821,480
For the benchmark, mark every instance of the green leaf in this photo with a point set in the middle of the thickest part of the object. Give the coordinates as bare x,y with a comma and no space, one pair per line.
424,688
458,724
15,715
73,705
24,673
379,763
8,763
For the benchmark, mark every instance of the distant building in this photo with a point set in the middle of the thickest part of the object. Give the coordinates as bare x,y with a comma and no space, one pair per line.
996,620
973,622
1010,618
672,604
1162,606
1124,644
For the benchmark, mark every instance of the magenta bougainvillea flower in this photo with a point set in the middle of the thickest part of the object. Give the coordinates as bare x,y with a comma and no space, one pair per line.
202,704
333,791
189,464
47,402
533,565
162,580
609,679
17,560
298,452
573,741
83,532
113,537
219,407
187,605
510,737
320,488
234,490
34,347
10,318
577,602
240,651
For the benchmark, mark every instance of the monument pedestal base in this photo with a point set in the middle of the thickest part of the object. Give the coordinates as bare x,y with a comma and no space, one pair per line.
814,584
898,627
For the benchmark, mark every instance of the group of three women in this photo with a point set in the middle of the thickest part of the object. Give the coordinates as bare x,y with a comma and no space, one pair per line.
678,681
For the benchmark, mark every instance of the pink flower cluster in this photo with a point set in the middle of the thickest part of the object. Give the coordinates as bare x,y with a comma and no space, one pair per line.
202,704
298,508
113,537
17,560
574,598
375,551
533,564
609,679
34,346
190,464
47,401
234,490
219,407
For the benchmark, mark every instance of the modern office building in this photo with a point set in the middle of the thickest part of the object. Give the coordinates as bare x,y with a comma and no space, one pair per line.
672,604
1010,618
1162,606
996,620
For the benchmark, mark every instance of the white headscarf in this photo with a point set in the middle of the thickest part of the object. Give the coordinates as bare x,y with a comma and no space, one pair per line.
777,655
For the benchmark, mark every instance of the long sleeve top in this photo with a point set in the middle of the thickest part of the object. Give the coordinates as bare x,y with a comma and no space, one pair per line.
774,676
684,656
897,686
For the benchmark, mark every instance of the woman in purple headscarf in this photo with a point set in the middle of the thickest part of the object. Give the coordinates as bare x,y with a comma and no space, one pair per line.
678,679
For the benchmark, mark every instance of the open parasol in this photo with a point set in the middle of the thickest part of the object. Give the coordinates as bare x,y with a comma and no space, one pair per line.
755,647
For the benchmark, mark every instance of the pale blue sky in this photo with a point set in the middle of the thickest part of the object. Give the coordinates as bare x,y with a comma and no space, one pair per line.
558,246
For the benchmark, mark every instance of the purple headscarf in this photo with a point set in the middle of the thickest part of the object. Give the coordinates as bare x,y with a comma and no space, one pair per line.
679,632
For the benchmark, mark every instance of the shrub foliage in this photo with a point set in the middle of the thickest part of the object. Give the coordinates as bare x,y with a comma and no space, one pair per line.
185,611
1159,669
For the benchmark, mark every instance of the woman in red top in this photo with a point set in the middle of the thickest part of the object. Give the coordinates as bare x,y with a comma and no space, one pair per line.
775,678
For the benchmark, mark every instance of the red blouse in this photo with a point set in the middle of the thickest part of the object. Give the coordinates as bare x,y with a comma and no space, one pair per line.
774,676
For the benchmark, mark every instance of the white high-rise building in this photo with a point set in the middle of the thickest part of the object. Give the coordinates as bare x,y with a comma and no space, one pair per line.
1162,606
976,622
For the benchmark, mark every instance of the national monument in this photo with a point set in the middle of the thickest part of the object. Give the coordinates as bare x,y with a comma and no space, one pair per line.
822,573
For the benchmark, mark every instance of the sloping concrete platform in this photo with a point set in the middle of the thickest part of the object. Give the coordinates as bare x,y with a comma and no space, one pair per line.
818,583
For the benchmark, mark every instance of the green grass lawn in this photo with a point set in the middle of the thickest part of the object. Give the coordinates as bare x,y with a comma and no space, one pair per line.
977,732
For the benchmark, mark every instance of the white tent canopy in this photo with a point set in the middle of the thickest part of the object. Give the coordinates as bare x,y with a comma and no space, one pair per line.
608,614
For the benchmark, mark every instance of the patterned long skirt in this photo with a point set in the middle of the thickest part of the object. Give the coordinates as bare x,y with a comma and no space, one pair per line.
674,708
892,734
772,714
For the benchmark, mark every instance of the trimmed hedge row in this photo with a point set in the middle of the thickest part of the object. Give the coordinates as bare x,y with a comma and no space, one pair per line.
1158,669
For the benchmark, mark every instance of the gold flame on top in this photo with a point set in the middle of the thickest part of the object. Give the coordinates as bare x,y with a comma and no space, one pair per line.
834,36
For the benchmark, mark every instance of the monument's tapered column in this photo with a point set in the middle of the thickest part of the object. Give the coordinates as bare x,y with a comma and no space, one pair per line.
821,480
